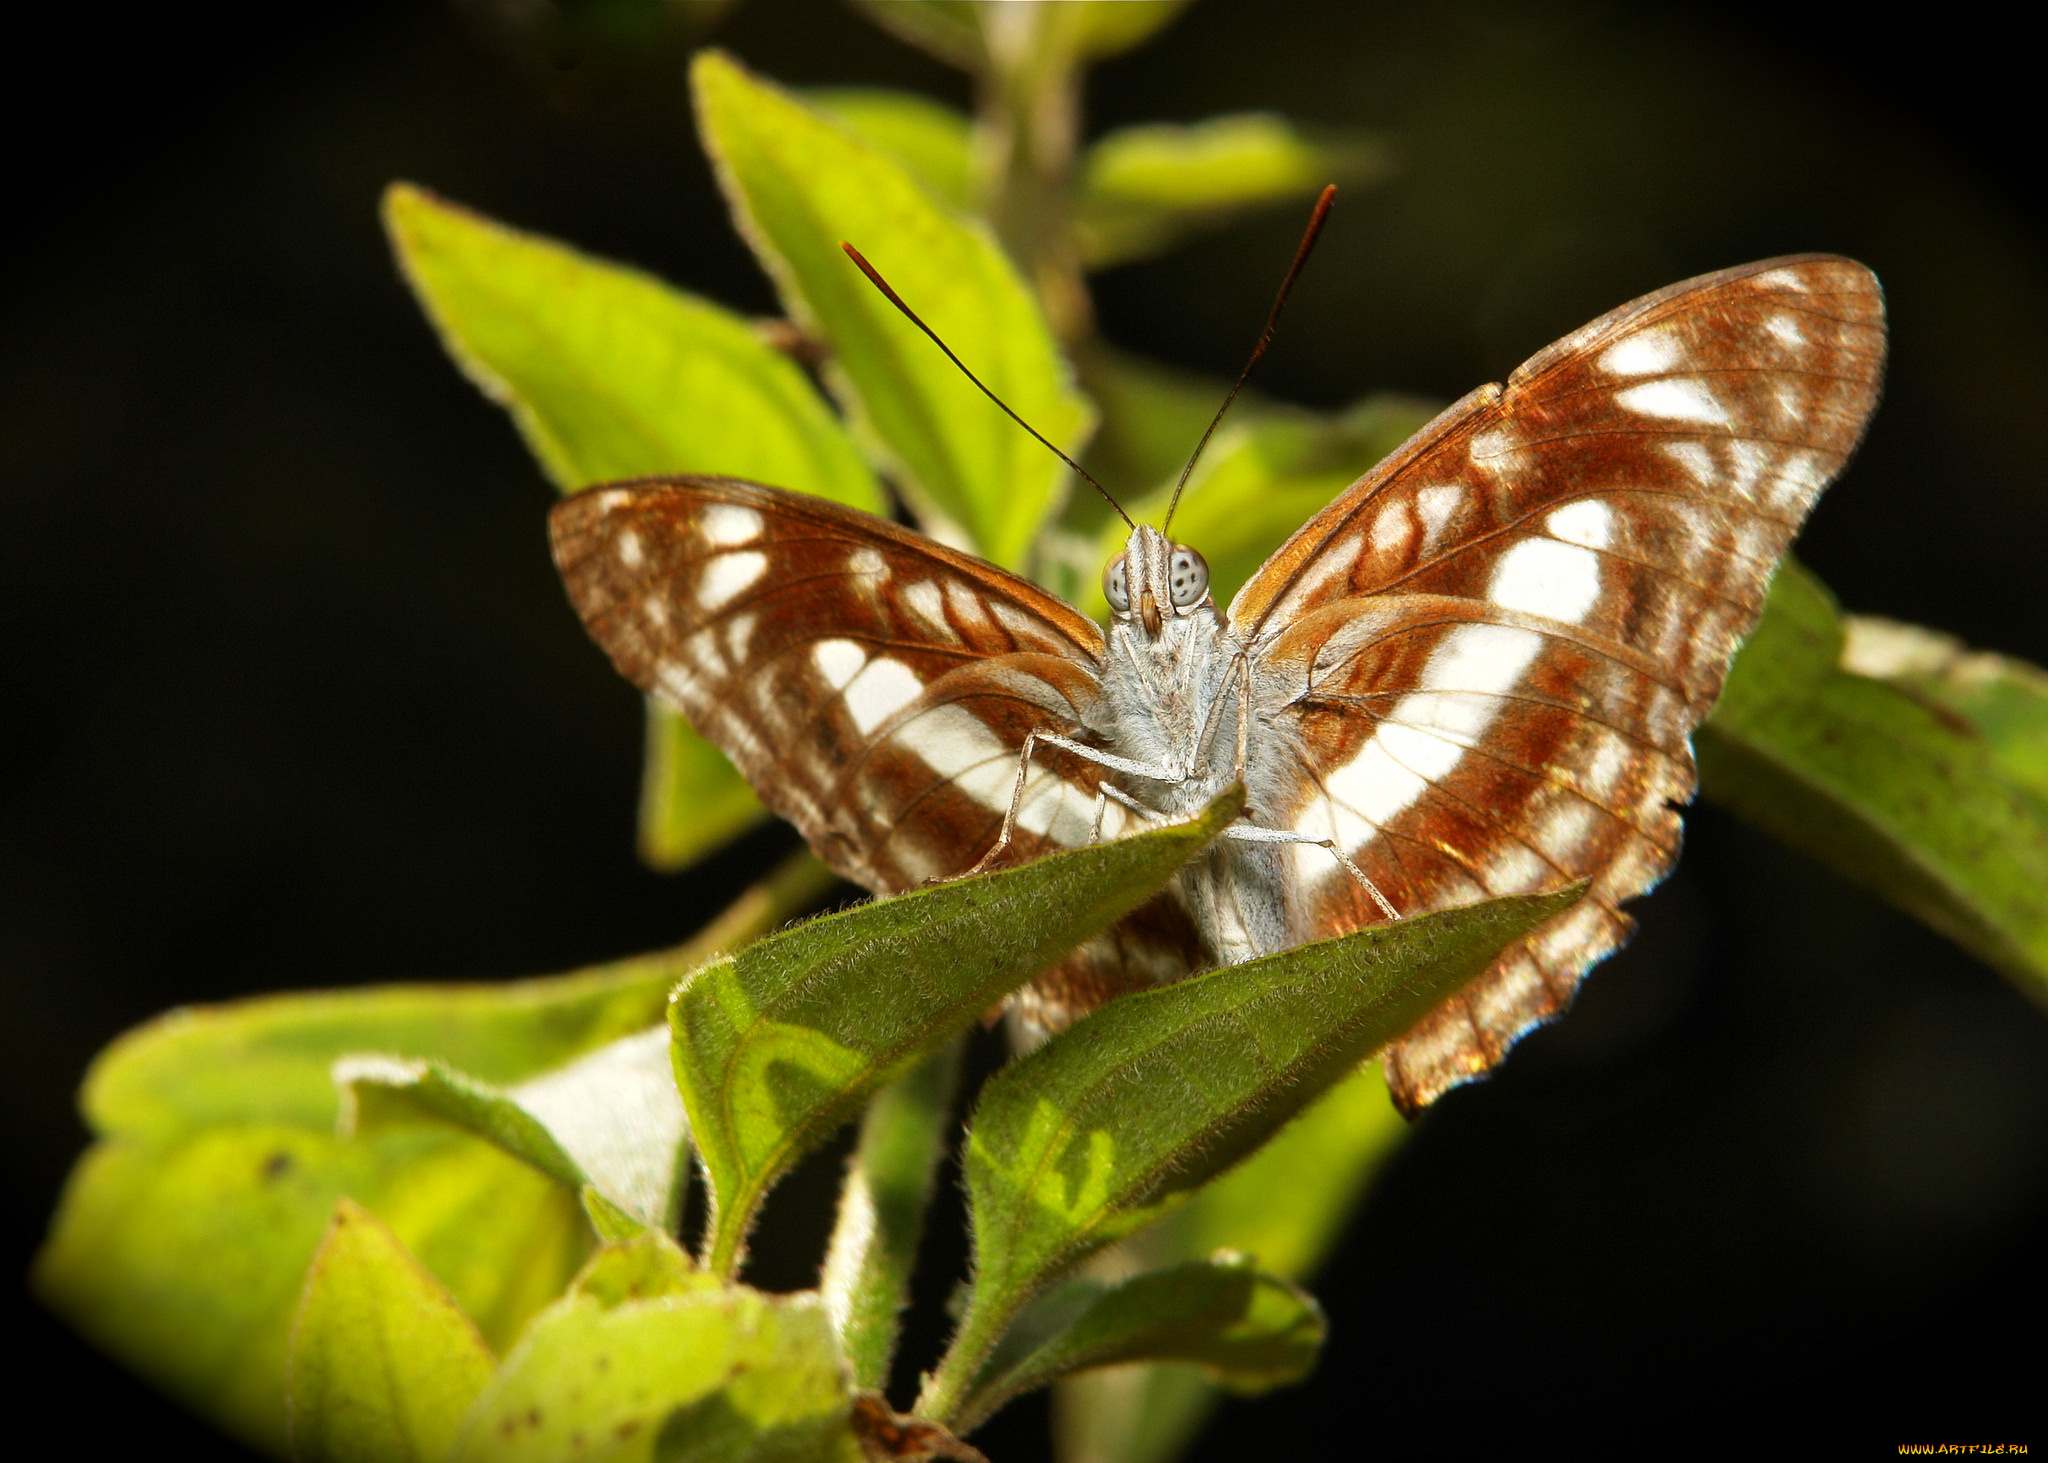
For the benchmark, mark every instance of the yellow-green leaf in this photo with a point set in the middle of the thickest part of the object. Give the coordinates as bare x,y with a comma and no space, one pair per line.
184,1255
1144,188
383,1362
692,1371
799,185
611,373
933,142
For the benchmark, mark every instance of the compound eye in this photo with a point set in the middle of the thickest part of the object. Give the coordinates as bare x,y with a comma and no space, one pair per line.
1116,586
1187,577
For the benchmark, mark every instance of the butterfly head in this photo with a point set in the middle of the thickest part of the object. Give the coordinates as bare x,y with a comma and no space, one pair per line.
1155,579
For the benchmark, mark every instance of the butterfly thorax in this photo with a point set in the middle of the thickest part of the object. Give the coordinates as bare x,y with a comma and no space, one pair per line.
1173,699
1171,674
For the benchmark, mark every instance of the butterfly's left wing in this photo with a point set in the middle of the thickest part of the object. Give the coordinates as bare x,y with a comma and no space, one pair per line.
873,686
1484,661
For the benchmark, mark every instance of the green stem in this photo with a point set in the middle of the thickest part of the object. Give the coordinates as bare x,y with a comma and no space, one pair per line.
1029,104
866,1278
948,1389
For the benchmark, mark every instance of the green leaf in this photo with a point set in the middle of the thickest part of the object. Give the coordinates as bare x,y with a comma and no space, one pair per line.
1144,188
2004,700
645,1361
798,185
928,139
1249,1330
271,1058
780,1044
611,1224
692,800
1105,27
1118,1119
1884,784
184,1233
1265,475
611,373
1323,1162
610,1119
383,1362
645,1265
183,1254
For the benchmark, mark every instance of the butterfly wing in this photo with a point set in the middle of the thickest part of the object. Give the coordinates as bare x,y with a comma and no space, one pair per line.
875,687
1484,661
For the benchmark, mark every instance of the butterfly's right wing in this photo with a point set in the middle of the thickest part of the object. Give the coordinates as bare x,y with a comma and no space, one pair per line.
873,686
1482,664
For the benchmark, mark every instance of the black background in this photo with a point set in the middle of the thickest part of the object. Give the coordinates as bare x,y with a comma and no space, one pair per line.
295,699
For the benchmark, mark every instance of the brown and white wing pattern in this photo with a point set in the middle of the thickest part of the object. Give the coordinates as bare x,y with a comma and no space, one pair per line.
873,686
1482,664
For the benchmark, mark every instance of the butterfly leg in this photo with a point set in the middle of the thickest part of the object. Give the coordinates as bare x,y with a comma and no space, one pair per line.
1157,773
1252,833
1239,687
1106,793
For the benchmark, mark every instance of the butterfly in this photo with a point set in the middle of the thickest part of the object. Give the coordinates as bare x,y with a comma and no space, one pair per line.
1476,672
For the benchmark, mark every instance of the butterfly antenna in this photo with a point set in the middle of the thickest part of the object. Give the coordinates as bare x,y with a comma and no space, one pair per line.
909,314
1308,242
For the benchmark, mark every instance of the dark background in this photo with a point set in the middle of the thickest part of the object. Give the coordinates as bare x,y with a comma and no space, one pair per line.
296,701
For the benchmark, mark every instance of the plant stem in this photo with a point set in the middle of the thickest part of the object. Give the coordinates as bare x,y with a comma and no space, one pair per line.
1029,101
888,1188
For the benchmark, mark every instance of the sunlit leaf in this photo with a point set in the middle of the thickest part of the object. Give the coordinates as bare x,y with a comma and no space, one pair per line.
930,140
270,1058
383,1361
1144,188
610,1119
644,1266
611,373
184,1234
799,185
1104,28
184,1254
647,1360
